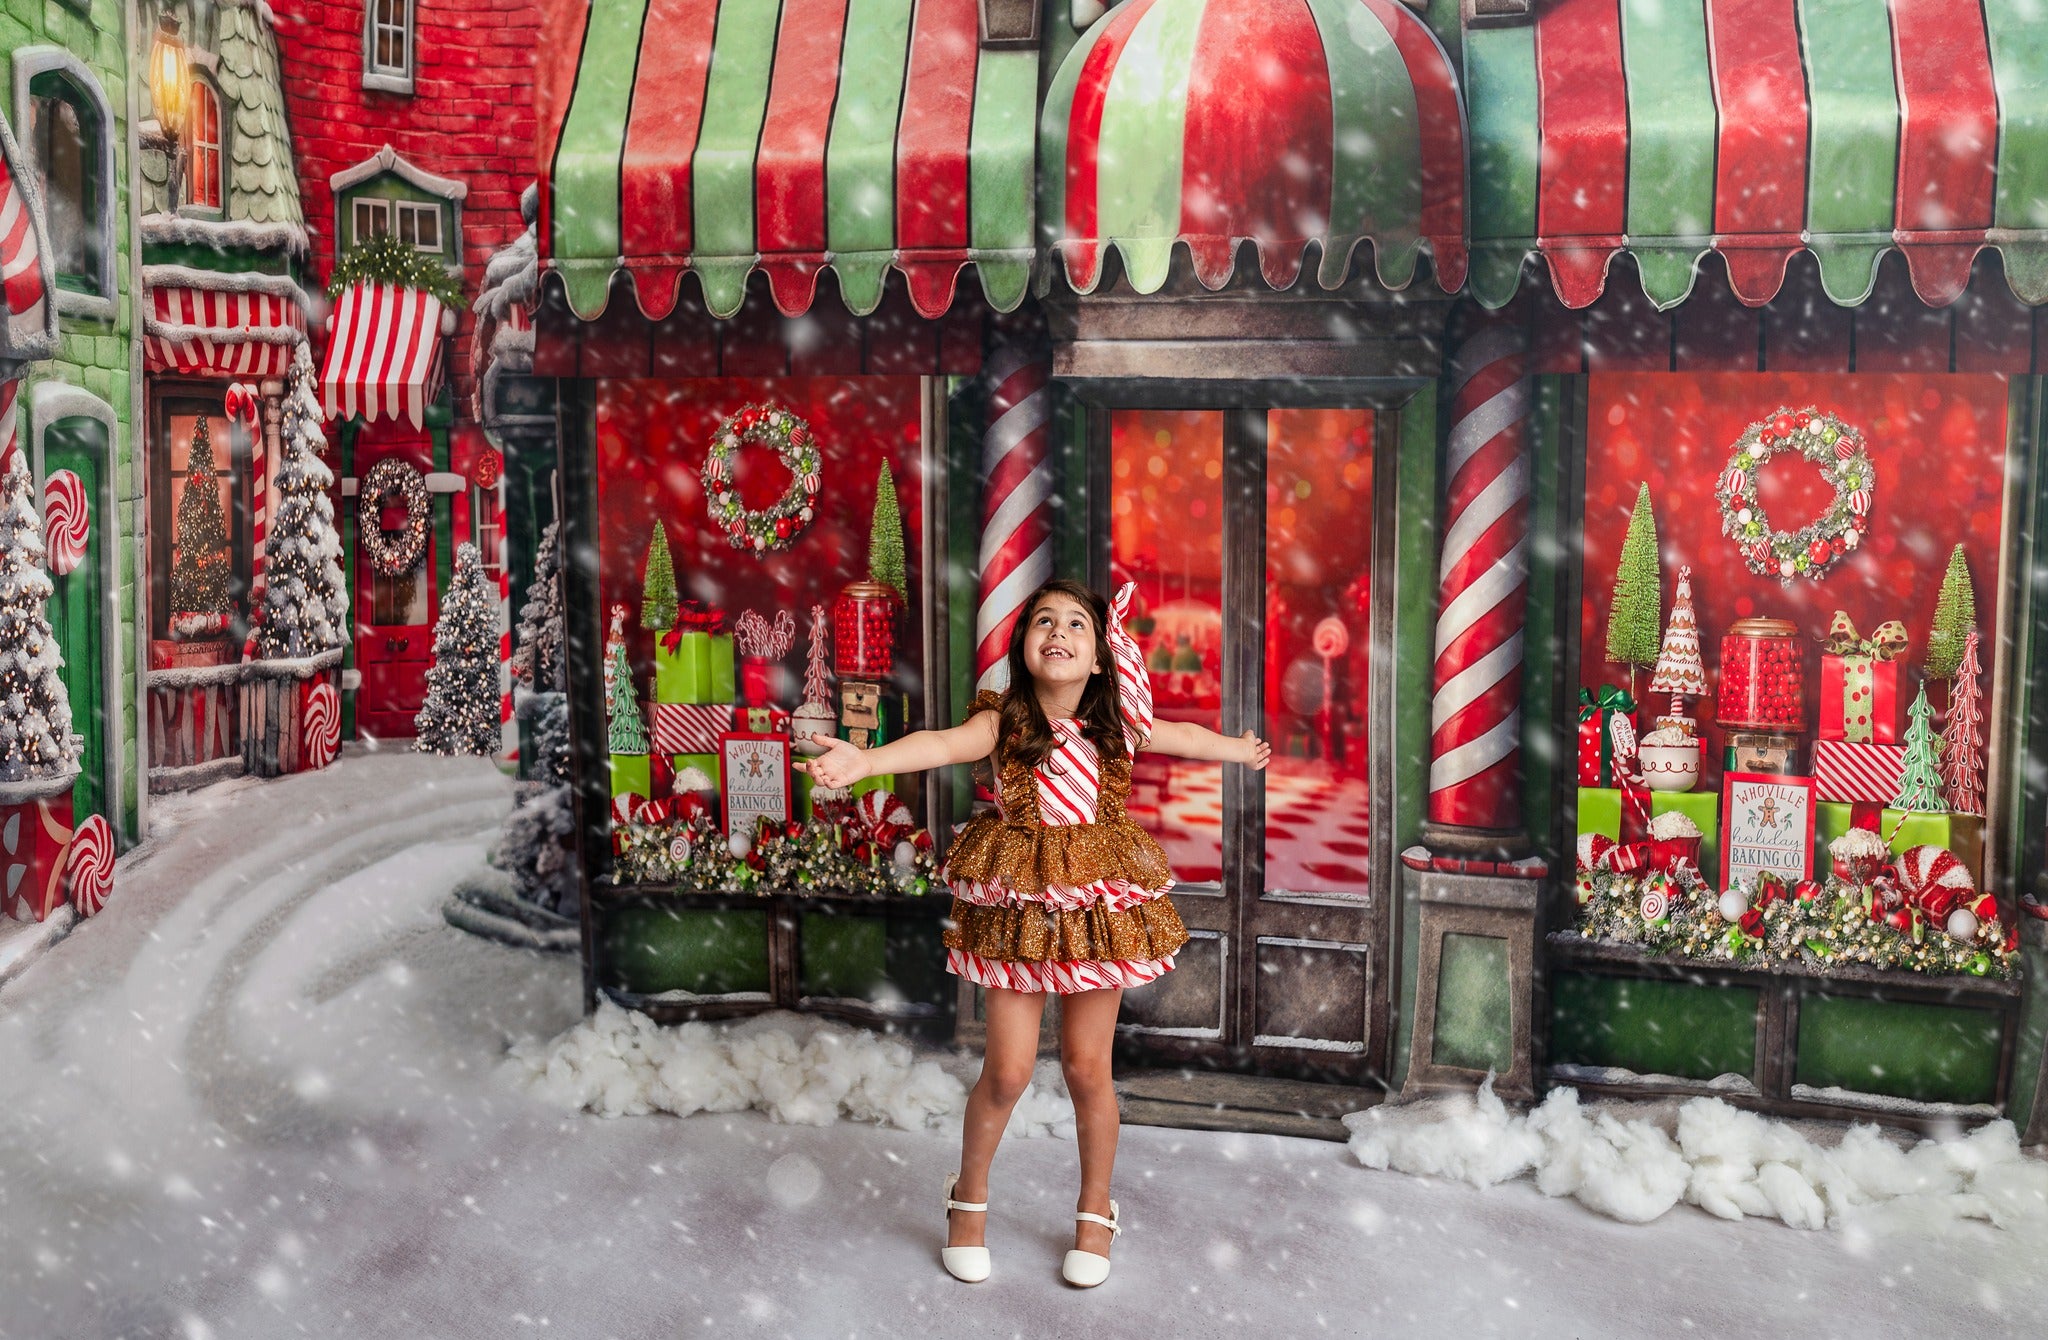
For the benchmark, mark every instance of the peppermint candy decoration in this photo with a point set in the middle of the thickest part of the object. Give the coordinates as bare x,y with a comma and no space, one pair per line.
1831,446
1656,902
775,528
885,817
321,726
90,865
64,521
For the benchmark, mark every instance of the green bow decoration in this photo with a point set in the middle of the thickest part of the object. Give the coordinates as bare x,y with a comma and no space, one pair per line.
1611,698
1886,643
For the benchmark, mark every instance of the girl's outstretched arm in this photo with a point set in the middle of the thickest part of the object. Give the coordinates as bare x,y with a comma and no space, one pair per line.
843,763
1185,739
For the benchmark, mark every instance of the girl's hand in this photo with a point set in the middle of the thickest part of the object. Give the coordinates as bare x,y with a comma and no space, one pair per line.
841,765
1256,752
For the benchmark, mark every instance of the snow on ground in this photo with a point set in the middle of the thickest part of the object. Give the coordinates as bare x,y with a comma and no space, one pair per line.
267,1093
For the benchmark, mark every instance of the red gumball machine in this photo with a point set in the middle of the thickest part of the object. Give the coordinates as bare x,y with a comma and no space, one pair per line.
864,631
1761,705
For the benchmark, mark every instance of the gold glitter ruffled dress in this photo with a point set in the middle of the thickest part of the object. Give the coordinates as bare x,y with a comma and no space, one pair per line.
1058,889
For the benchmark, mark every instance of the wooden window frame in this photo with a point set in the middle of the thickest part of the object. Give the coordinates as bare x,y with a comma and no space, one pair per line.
175,397
389,16
92,296
196,149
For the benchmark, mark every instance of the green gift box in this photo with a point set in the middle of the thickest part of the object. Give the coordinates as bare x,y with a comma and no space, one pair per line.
633,775
1960,833
693,668
1600,812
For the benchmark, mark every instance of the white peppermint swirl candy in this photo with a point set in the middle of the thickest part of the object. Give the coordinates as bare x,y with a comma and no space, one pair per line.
91,865
64,521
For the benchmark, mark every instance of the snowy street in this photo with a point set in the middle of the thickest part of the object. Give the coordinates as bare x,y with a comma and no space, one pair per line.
265,1093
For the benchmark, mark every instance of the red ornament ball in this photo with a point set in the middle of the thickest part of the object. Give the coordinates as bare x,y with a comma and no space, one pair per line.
1783,423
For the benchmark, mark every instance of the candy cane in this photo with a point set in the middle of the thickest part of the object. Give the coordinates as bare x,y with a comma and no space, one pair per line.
1016,505
1476,716
9,390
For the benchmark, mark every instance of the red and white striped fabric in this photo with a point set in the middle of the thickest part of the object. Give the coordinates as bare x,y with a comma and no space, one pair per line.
690,728
1068,786
21,261
1133,681
383,354
10,391
220,334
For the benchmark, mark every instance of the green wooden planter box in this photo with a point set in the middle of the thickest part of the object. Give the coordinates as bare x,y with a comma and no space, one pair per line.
1931,1053
858,955
651,949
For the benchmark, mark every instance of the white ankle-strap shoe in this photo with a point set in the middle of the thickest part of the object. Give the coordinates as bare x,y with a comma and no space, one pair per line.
1088,1269
969,1264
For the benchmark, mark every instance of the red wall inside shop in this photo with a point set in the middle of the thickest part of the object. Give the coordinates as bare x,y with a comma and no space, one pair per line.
651,437
1937,442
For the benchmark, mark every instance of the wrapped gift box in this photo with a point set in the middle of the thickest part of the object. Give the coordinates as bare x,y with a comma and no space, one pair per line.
690,728
1962,834
694,668
1596,744
35,842
764,720
1859,682
632,775
1846,770
1600,811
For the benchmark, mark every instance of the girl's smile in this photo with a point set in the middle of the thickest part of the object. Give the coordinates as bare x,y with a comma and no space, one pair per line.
1060,647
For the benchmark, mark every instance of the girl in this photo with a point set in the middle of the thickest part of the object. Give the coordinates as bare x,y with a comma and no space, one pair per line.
1056,889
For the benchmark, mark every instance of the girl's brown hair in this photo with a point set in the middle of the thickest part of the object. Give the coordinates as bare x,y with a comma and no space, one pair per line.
1025,735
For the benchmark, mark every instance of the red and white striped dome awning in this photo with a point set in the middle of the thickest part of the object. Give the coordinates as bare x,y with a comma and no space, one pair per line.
221,325
383,354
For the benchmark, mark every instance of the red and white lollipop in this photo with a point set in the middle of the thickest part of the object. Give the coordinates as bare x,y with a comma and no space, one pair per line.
90,865
64,521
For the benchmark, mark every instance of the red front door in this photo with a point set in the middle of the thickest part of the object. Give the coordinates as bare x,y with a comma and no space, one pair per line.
394,615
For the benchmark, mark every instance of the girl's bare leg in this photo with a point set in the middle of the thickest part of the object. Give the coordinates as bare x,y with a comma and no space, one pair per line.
1006,1064
1087,1029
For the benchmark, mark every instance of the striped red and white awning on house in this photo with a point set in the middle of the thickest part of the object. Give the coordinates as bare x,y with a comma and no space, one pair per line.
221,325
383,354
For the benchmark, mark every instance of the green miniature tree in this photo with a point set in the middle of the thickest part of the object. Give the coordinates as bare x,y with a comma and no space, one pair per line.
658,585
1955,613
626,730
1920,781
1634,616
885,538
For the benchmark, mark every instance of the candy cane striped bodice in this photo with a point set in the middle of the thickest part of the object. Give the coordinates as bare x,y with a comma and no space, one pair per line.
1069,783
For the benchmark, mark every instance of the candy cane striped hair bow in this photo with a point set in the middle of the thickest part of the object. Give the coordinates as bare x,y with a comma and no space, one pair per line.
1133,684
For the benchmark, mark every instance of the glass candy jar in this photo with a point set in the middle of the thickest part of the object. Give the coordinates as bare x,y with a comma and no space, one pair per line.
864,631
1763,676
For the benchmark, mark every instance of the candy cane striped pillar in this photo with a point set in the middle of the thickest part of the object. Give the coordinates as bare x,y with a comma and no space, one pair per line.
10,390
1483,592
508,725
1016,504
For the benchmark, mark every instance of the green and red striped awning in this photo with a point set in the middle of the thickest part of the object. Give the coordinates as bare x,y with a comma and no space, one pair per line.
717,137
1755,128
1206,123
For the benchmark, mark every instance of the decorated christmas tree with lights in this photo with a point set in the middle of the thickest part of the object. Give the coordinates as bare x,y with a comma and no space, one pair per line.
304,610
461,714
35,710
199,561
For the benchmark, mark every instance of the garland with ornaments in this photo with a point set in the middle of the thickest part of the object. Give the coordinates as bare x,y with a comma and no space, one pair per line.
393,553
1838,451
775,528
1918,913
871,853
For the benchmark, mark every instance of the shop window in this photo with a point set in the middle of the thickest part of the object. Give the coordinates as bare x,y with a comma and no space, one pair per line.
388,46
66,131
227,462
1166,523
399,601
416,222
203,187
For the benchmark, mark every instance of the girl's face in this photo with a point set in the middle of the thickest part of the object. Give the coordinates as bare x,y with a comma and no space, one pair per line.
1059,642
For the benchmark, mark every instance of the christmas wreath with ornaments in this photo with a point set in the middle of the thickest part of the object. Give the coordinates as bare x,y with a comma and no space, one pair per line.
393,553
1813,550
771,528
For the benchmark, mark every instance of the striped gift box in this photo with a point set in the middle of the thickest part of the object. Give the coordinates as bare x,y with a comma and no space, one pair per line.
690,728
1851,771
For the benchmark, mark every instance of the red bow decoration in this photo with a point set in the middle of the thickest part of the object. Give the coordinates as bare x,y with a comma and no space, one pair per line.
1752,923
693,616
1769,889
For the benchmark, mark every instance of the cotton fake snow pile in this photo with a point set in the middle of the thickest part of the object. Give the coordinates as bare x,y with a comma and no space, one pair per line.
1728,1162
797,1069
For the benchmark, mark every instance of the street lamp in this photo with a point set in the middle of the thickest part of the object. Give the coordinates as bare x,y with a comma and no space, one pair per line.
170,82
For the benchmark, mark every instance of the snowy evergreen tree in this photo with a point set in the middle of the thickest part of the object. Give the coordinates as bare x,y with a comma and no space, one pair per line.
304,608
460,715
1633,622
199,560
885,537
658,585
1955,614
537,659
536,847
35,709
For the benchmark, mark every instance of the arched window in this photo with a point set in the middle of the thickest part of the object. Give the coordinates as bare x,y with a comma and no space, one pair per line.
64,138
203,152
